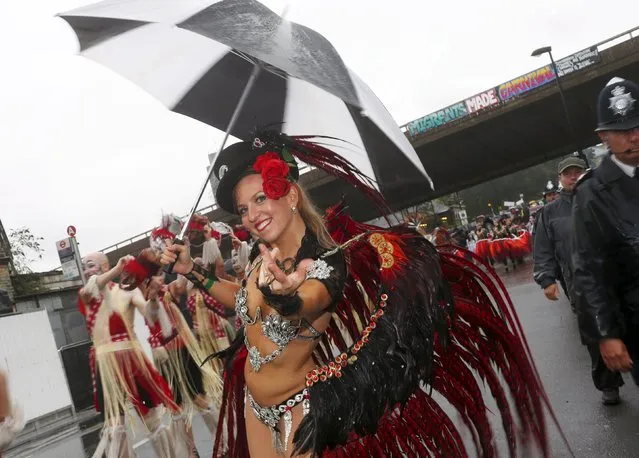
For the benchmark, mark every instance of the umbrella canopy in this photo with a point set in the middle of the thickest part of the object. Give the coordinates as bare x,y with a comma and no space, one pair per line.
197,56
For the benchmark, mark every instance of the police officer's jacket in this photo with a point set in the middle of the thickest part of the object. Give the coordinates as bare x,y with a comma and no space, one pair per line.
606,251
551,248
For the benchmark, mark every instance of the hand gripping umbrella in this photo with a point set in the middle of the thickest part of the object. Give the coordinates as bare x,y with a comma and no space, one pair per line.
234,64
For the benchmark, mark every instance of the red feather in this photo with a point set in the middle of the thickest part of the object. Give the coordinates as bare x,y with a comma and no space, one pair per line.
485,343
163,233
198,223
241,233
137,270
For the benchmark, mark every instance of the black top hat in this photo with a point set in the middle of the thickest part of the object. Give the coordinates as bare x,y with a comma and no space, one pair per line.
618,106
236,161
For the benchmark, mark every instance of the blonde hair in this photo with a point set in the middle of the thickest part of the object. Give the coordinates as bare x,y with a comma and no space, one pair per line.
313,219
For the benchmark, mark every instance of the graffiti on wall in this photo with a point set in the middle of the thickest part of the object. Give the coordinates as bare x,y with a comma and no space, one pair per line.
526,83
482,101
437,119
504,92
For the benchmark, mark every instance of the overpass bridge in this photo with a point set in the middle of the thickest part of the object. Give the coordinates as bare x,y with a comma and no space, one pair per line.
515,125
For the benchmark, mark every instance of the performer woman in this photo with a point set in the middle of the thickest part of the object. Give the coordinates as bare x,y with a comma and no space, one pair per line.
123,376
339,339
179,356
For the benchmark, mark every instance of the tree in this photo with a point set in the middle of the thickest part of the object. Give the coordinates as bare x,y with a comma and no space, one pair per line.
25,249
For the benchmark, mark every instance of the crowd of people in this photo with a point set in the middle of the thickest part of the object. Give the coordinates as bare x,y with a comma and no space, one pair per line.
176,379
506,240
502,239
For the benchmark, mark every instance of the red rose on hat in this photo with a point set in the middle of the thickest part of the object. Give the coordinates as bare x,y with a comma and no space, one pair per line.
275,168
276,187
274,173
263,159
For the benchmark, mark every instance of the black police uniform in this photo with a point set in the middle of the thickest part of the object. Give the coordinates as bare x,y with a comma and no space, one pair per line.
605,249
551,249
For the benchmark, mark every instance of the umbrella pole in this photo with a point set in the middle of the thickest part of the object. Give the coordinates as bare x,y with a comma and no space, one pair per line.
236,114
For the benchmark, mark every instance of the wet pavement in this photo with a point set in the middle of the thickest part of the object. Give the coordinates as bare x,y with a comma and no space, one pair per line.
593,430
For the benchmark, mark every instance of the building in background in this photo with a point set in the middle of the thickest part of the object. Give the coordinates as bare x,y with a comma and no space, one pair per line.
49,291
6,272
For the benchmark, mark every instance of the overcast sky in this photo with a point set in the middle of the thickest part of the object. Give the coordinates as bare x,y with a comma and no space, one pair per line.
80,145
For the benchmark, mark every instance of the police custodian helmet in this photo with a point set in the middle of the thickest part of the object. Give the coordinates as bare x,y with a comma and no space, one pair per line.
618,106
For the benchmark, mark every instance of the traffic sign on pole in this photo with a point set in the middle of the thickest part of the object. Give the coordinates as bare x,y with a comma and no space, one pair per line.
71,231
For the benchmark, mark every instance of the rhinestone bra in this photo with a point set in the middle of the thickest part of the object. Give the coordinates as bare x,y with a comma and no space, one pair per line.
276,328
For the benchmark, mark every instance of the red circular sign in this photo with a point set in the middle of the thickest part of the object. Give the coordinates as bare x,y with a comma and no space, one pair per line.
71,231
62,244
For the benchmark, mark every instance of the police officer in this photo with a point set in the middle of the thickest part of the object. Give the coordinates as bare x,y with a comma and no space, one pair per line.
606,242
551,193
551,248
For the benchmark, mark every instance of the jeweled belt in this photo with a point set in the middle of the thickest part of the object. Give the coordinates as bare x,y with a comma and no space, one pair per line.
271,416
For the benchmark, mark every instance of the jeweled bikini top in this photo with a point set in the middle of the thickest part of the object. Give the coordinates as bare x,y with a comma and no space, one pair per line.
278,329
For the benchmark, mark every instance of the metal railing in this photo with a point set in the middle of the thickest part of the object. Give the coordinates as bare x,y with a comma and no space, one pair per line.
620,35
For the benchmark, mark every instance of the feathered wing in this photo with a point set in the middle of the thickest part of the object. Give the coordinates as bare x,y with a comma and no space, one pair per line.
414,320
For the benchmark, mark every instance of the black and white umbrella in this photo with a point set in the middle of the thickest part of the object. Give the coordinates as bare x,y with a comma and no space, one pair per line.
201,57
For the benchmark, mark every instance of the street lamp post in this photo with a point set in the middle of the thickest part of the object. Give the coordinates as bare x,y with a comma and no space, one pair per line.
548,50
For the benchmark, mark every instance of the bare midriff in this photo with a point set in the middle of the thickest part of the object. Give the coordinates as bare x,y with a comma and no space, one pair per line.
285,376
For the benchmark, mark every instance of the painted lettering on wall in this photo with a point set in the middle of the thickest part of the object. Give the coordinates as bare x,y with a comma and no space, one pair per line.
526,83
503,93
437,119
482,101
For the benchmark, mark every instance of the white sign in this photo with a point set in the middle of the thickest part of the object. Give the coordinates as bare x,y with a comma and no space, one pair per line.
70,270
66,253
508,204
578,61
65,250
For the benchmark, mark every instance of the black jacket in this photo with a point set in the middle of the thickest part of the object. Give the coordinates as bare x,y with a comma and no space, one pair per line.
606,251
551,247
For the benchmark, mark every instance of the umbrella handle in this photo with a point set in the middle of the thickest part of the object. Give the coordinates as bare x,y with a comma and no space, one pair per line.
169,269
